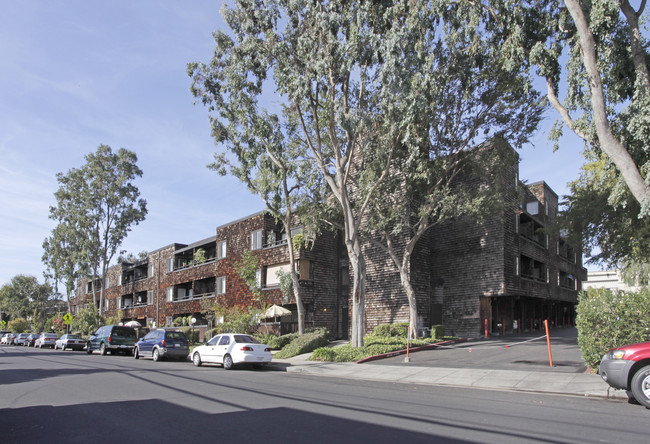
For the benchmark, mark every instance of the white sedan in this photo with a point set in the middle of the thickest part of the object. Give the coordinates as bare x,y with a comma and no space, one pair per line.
229,349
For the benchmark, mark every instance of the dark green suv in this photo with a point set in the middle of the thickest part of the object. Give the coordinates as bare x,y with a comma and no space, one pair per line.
112,338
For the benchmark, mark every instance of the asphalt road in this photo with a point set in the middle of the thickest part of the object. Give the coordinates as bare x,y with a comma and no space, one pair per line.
51,396
523,352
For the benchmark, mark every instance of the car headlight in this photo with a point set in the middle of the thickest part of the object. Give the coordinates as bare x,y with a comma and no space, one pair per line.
617,354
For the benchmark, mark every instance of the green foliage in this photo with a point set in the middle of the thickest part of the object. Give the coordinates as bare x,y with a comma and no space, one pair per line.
87,321
199,256
305,343
192,334
608,319
236,319
388,330
25,297
247,268
18,325
96,206
437,331
374,344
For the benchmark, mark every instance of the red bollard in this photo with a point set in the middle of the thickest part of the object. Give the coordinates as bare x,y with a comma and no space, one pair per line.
486,328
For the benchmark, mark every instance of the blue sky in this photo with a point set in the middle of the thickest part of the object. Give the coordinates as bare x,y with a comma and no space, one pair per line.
77,74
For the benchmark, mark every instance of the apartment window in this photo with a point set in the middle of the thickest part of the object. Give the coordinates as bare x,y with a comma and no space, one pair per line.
517,266
221,249
151,270
119,303
516,223
258,278
119,279
221,285
256,240
170,294
108,282
150,297
274,272
305,269
106,304
170,264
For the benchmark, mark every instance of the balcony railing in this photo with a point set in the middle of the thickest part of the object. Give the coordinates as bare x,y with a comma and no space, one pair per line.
193,297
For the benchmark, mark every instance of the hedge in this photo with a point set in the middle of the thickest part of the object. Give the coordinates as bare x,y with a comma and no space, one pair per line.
304,344
607,319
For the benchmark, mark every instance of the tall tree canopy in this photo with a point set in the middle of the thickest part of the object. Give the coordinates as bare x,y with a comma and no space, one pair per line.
593,57
360,82
96,206
24,297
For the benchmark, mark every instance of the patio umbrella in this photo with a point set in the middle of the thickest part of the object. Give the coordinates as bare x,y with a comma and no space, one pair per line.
274,311
134,324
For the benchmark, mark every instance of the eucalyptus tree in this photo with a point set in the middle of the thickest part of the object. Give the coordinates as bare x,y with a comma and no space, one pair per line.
603,50
321,60
60,256
96,206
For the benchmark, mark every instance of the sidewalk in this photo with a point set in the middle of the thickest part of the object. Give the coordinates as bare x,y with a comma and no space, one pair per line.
555,382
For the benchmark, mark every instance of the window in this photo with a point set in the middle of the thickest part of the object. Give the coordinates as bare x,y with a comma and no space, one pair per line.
516,223
150,297
258,278
170,294
106,302
225,340
221,249
119,279
170,264
151,270
221,285
119,303
272,278
517,266
169,320
256,240
305,270
108,282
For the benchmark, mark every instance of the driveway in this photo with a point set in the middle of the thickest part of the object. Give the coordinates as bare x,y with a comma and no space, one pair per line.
520,352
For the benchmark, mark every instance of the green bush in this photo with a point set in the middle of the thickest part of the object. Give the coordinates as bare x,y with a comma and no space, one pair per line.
607,319
191,333
305,344
18,325
399,330
438,331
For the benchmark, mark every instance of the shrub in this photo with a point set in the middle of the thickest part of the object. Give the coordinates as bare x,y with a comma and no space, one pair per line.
305,344
191,333
607,319
438,331
400,329
18,325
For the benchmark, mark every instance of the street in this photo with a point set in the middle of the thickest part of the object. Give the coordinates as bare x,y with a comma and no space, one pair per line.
53,396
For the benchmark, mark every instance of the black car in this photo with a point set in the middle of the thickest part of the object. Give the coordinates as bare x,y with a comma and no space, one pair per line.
159,344
112,338
29,342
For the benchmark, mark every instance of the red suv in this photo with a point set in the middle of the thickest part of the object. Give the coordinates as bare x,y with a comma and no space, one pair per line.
628,368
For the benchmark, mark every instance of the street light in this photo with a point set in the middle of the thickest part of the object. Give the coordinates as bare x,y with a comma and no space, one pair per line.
193,321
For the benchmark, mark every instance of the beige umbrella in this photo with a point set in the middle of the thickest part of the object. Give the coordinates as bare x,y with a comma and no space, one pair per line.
274,311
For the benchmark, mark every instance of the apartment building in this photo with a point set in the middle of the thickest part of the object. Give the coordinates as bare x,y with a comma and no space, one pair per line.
182,280
506,274
503,275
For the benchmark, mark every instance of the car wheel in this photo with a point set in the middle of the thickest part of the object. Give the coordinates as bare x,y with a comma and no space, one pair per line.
156,354
102,349
89,350
227,362
196,359
641,386
136,353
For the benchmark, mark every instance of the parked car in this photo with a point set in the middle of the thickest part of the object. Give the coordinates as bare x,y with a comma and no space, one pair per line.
112,338
31,339
72,341
9,338
20,339
5,338
45,340
628,368
161,344
230,349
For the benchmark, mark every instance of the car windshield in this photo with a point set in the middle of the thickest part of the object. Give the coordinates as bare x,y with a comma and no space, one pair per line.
246,339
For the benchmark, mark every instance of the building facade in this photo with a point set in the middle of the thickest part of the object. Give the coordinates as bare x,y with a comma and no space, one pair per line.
505,274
